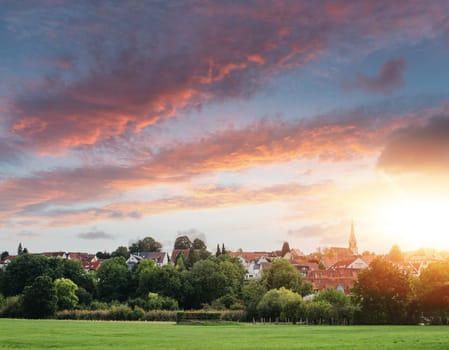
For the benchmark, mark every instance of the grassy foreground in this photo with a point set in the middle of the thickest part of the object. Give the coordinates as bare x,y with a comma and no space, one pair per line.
47,334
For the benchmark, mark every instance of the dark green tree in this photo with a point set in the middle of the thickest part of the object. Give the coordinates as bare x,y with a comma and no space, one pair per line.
199,244
39,298
20,249
114,279
223,250
252,293
182,242
282,274
147,244
192,258
121,251
103,255
218,253
209,281
73,270
22,271
285,249
4,255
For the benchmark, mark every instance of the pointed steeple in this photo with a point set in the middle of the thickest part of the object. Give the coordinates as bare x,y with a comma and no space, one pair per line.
352,241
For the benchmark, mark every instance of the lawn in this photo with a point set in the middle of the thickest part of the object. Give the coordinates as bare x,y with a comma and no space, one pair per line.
48,334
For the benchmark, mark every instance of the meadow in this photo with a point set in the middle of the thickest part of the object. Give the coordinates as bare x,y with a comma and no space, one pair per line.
48,334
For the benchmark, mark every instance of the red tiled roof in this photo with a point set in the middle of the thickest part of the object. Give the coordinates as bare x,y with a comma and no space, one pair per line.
92,266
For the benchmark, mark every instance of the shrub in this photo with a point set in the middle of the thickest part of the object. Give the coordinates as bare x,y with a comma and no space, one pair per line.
117,313
159,315
98,305
212,316
121,313
12,307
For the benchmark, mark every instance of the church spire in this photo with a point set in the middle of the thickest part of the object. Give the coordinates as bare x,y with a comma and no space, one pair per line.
353,241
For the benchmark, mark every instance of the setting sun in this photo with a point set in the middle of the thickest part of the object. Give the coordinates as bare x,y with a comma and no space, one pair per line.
416,222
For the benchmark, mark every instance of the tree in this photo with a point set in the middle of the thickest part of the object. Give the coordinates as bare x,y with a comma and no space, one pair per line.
395,255
66,293
25,250
285,249
113,279
433,291
318,311
383,293
281,304
199,244
182,242
143,266
218,253
282,274
121,251
192,258
342,310
22,271
148,244
103,255
223,250
209,281
252,293
19,249
180,263
39,299
166,281
4,255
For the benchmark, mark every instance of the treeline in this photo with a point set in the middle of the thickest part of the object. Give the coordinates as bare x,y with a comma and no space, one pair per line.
38,286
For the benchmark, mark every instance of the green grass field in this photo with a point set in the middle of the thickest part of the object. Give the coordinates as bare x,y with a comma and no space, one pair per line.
50,334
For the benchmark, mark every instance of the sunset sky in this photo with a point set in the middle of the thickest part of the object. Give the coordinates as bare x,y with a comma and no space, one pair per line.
244,122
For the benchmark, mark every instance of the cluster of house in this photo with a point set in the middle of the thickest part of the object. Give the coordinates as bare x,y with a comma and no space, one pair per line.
337,268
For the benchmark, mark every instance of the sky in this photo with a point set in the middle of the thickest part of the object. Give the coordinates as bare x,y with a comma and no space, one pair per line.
247,123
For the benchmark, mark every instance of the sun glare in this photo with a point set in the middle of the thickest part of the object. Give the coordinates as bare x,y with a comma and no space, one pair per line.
417,222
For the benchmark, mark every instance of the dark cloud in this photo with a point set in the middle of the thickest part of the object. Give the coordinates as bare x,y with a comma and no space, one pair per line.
389,78
96,234
420,148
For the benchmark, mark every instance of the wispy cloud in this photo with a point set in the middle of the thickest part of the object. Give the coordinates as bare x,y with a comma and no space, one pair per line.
28,235
94,235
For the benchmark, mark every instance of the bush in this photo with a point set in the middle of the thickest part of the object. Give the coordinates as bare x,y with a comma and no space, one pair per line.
12,307
159,315
212,316
233,315
98,305
121,313
117,313
186,316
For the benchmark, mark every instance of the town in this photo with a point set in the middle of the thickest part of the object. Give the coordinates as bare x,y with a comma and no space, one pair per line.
330,267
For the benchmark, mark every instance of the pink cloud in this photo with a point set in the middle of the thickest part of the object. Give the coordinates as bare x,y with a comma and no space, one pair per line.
166,60
329,138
